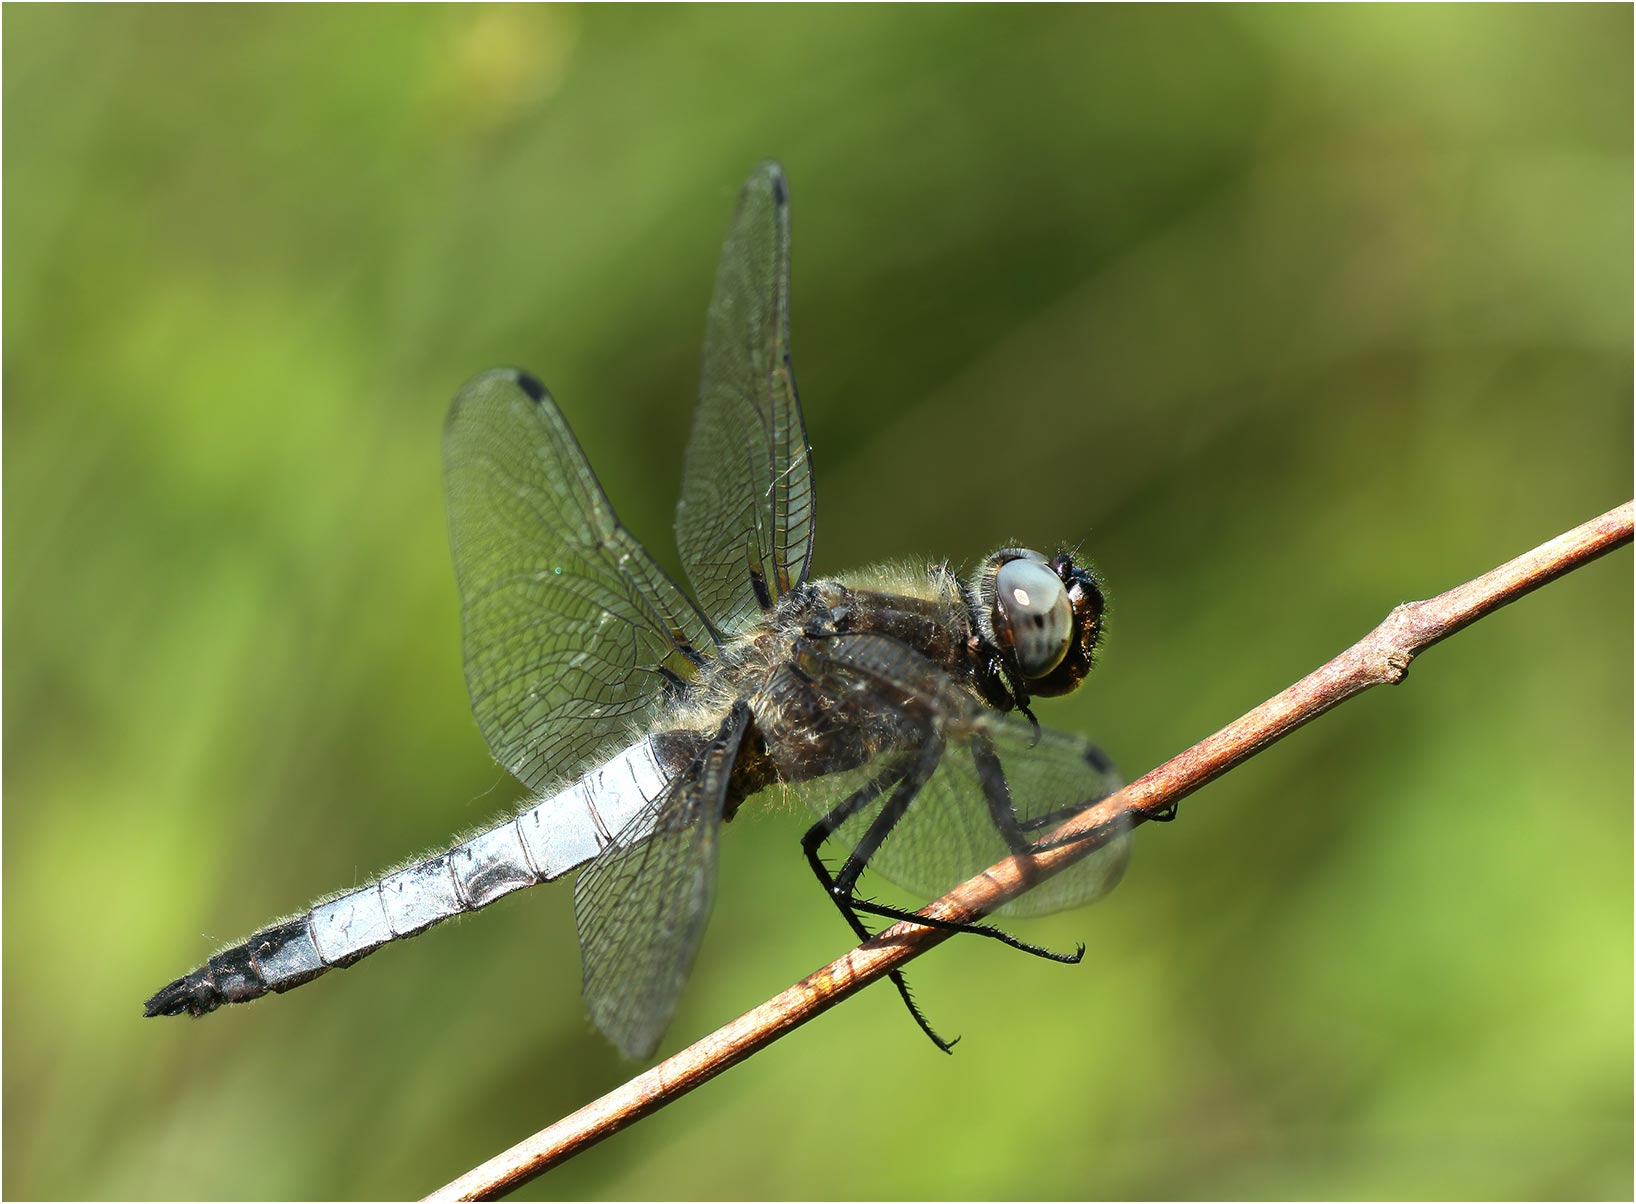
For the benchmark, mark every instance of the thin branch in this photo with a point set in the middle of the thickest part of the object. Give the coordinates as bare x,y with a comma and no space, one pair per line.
1382,656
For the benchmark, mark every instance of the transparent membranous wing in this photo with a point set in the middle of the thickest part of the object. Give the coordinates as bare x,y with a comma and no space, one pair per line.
642,905
571,630
744,525
999,782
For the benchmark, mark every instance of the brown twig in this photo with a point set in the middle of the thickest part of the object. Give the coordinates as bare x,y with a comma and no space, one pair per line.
1382,656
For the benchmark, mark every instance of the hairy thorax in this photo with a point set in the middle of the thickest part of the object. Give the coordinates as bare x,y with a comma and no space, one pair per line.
805,726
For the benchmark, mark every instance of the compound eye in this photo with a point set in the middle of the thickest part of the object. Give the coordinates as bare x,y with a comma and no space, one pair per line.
1041,618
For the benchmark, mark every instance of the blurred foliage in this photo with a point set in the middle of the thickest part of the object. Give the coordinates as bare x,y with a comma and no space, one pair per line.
1288,314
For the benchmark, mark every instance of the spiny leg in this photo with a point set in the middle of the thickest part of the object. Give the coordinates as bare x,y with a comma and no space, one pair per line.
845,883
1014,831
814,840
869,907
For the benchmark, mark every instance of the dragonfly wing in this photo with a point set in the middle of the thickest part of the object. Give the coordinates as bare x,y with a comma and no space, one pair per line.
744,525
571,630
995,768
642,904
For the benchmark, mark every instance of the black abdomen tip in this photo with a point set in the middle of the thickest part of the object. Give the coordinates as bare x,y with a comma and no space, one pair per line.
184,995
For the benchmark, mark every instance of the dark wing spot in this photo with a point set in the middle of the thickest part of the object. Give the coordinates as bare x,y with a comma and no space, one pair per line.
1098,760
674,688
759,584
530,385
781,190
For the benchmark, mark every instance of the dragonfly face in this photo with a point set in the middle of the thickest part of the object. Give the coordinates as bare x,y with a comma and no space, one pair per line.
891,702
1044,615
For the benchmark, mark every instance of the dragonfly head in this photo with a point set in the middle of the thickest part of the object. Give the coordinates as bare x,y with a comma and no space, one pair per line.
1043,616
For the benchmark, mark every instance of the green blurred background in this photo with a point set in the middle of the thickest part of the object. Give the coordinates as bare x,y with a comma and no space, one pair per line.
1289,314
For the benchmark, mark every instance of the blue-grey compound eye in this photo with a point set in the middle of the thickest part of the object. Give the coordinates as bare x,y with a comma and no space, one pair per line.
1042,620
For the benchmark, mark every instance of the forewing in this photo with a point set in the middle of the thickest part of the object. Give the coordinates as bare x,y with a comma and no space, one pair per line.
991,760
642,904
571,630
745,521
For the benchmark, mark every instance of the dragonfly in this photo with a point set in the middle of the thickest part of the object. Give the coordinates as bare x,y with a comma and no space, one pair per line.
895,703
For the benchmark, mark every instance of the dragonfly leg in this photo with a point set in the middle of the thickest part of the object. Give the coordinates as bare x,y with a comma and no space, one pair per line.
870,907
1015,830
1162,816
814,840
1012,828
845,883
1050,819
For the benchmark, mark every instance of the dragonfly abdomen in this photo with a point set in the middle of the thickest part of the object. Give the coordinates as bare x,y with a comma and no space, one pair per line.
556,835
